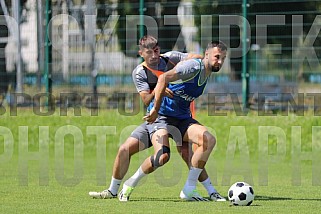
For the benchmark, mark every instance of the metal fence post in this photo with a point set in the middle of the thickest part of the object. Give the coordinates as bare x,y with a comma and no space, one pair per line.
48,56
245,74
40,42
17,15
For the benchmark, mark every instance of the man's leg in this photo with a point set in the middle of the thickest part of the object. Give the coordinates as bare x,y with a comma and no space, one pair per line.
125,151
198,135
120,168
159,158
122,161
130,147
186,153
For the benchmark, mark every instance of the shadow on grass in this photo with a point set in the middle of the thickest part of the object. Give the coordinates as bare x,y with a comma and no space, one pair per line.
157,199
169,199
271,198
257,198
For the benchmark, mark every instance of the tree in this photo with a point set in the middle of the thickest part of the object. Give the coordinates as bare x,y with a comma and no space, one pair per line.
281,34
3,73
168,36
5,78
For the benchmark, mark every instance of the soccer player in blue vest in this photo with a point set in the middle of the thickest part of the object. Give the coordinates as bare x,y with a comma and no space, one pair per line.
145,78
187,81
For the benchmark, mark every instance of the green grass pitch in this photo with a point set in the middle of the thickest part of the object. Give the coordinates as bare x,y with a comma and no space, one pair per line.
48,164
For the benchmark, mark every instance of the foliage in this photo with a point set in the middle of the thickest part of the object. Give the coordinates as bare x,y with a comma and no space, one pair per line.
168,36
276,34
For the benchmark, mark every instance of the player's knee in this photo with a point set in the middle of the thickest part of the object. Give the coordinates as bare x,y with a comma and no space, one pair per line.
209,141
123,151
161,157
164,158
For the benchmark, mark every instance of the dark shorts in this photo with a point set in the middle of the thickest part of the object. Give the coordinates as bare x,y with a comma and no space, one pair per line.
141,134
175,127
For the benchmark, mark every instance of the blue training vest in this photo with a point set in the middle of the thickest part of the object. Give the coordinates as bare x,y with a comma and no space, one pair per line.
184,93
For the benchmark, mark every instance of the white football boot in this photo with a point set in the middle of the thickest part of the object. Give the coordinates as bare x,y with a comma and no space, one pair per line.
102,195
125,193
192,196
215,196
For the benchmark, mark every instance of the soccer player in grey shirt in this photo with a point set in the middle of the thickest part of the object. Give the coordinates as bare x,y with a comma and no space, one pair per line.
145,79
187,81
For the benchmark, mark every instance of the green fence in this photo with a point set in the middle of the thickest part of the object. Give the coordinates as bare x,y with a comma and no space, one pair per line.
93,45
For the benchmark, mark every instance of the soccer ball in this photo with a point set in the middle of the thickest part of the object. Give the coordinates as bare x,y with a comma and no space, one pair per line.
241,194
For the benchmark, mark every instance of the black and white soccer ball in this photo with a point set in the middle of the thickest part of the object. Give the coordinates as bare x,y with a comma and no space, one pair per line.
241,194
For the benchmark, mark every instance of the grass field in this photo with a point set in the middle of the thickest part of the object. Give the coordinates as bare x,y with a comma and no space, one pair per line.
54,171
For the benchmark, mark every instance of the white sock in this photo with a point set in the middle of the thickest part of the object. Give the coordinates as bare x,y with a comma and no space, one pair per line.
133,181
114,185
191,182
208,186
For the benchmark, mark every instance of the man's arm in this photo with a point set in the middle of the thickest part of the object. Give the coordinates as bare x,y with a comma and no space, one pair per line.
146,97
193,56
184,70
159,90
175,56
162,82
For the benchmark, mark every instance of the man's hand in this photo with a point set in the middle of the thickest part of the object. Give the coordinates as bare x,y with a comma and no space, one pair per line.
168,93
153,114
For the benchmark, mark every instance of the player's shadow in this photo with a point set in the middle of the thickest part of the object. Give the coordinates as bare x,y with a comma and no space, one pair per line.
272,198
173,199
257,198
158,199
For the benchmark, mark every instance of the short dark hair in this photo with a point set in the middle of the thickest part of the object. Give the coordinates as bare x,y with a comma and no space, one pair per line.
218,44
148,41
